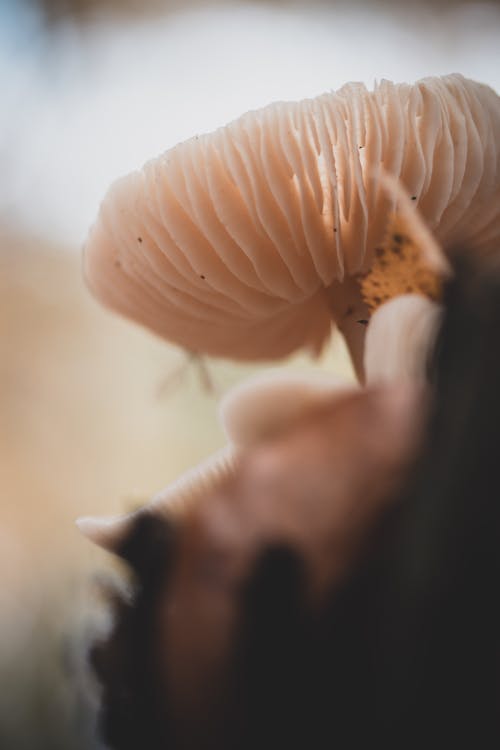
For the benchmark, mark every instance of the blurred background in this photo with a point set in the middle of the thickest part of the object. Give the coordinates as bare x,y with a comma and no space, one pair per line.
96,414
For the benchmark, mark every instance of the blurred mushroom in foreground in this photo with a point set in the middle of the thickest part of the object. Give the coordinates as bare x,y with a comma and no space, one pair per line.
341,589
317,488
249,242
257,410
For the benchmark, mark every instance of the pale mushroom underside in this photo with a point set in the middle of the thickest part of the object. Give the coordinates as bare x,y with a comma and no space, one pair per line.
229,243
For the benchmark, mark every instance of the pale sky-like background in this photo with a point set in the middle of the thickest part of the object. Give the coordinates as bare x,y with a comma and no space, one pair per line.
88,102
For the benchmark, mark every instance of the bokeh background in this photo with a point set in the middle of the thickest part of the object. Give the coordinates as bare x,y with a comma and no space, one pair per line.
96,414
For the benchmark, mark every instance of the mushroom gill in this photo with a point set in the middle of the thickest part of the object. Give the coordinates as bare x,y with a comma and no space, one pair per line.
248,241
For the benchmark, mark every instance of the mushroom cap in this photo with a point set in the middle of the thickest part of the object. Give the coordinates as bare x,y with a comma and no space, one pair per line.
233,243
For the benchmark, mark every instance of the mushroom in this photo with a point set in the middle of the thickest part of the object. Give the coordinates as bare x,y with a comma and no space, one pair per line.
175,642
326,461
249,242
253,413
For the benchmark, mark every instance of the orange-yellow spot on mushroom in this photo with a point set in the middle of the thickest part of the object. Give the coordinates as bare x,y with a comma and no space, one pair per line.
399,267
